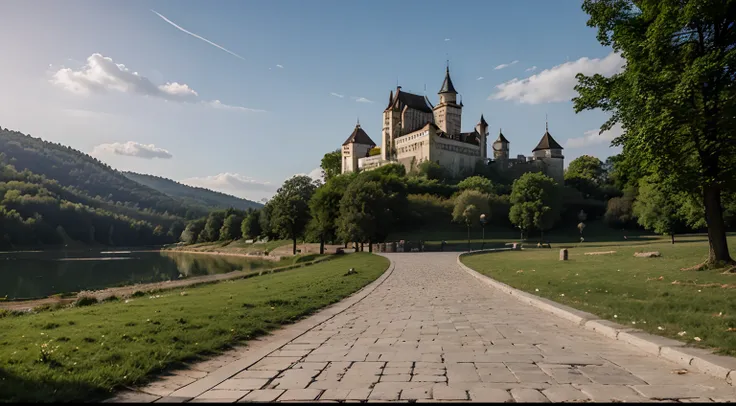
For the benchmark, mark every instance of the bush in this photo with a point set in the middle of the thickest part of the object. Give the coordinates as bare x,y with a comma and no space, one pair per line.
428,209
85,301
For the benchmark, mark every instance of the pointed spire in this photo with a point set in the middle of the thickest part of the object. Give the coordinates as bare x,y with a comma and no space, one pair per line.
447,86
501,138
483,121
358,123
546,124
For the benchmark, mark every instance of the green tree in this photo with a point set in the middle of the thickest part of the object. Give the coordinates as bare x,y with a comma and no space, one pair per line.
191,232
231,227
676,97
251,226
365,215
536,202
176,229
331,164
212,227
290,213
586,167
432,171
469,205
479,183
620,210
264,220
468,198
657,206
324,208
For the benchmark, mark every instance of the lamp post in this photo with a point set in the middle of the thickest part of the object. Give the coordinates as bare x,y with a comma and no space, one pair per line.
521,231
483,221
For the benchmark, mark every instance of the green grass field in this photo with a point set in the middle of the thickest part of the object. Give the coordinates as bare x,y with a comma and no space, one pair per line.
82,353
652,294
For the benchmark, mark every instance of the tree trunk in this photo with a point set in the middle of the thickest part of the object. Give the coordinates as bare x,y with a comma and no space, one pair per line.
321,245
361,247
294,246
370,246
718,251
673,238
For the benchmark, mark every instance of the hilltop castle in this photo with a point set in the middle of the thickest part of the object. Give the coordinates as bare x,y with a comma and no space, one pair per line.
415,131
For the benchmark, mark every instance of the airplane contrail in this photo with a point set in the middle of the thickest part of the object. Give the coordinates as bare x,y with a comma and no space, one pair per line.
197,36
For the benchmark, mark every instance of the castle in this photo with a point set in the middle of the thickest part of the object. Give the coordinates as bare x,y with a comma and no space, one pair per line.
415,131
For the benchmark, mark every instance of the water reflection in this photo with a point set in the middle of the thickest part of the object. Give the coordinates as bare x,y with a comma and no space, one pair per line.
39,274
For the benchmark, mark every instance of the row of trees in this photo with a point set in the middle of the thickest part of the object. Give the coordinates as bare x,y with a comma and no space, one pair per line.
35,210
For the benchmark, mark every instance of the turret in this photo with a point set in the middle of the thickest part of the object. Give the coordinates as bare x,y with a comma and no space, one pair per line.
448,114
355,147
482,129
501,147
549,152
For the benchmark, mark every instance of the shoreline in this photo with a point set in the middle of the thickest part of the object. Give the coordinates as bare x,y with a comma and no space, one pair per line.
128,290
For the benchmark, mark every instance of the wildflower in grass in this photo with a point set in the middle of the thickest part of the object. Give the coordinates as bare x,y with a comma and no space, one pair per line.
633,322
682,333
536,290
615,316
660,328
562,294
696,339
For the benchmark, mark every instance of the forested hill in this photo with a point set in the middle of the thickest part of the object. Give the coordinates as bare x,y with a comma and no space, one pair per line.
193,196
77,170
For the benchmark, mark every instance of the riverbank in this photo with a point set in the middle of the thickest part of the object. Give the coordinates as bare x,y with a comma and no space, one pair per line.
651,294
82,354
124,292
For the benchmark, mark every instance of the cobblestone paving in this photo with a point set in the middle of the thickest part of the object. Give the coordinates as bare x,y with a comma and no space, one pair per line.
433,332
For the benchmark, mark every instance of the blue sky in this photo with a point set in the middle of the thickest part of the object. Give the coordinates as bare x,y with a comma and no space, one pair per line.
117,80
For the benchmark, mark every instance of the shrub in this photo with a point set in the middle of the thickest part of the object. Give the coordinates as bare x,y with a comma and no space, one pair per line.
85,301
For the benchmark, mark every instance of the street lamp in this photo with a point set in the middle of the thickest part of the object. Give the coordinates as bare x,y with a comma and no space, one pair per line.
483,222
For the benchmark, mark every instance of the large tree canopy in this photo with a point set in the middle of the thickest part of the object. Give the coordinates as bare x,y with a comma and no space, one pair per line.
290,208
536,202
676,97
331,165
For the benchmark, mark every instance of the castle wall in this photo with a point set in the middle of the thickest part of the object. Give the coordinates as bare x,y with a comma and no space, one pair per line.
448,118
413,148
456,156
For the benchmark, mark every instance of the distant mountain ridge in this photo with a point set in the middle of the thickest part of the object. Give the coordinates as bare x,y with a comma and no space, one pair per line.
192,195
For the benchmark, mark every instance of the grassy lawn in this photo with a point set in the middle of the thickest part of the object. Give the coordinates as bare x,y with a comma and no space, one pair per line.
652,294
92,350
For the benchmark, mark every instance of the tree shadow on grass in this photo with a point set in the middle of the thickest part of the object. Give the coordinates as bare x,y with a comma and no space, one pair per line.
16,389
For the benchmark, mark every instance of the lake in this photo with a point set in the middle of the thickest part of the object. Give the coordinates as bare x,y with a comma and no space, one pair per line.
32,275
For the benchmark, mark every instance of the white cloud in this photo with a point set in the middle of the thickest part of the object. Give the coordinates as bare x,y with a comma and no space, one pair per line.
558,83
86,114
362,100
505,65
101,74
337,95
447,39
480,78
219,105
532,69
280,66
132,148
234,183
197,36
594,137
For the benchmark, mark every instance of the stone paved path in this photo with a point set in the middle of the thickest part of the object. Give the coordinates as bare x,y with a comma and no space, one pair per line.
432,331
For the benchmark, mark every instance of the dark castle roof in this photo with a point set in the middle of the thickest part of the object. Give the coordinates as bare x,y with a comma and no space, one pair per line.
483,121
359,137
501,138
413,101
447,86
547,142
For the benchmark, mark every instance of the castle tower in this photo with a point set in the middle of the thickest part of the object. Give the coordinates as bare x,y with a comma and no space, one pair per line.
482,129
447,114
391,128
355,147
549,153
501,148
